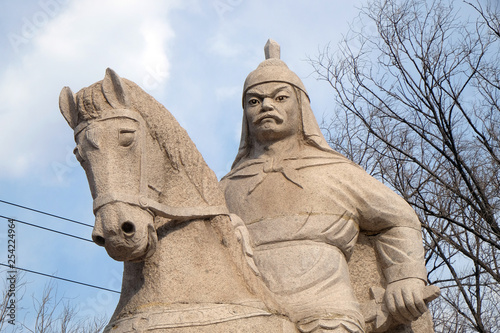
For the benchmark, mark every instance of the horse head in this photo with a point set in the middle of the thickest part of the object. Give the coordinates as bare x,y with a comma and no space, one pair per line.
131,149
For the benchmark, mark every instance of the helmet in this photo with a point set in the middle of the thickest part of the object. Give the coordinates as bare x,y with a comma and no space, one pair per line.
272,70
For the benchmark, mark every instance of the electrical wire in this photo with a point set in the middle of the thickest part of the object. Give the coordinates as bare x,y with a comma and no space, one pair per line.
55,231
47,229
45,213
59,278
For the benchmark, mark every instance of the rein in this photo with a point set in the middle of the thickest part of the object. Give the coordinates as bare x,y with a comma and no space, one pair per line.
159,209
141,200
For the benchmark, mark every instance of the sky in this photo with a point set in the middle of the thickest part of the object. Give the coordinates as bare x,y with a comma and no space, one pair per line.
192,56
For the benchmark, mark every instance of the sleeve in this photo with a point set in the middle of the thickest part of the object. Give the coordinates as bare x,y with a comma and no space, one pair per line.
398,232
401,254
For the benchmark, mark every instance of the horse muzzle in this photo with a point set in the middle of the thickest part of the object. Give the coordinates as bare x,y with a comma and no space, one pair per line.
126,232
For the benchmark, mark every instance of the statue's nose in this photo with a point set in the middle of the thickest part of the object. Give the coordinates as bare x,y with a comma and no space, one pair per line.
98,238
128,228
267,104
98,233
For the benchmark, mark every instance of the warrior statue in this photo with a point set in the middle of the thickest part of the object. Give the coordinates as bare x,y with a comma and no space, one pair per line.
304,205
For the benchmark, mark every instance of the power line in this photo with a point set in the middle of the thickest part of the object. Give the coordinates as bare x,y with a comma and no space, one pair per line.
47,229
45,213
60,278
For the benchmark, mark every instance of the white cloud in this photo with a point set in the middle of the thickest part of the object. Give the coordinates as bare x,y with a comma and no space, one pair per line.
73,47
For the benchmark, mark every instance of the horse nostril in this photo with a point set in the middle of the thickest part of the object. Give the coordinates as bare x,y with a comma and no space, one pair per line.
128,228
99,240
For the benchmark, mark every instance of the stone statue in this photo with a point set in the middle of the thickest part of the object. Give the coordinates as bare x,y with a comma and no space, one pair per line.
304,206
296,238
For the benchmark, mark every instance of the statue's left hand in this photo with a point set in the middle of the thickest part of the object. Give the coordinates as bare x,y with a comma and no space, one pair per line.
405,300
243,237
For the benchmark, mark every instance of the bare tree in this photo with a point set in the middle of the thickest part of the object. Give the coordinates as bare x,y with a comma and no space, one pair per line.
418,86
56,315
52,314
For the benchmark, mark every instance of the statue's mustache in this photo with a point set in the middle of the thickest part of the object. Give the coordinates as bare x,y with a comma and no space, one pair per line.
265,115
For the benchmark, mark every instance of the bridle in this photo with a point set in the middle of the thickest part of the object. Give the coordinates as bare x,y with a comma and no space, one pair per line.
142,200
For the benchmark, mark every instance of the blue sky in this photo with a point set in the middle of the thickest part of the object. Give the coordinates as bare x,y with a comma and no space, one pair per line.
192,56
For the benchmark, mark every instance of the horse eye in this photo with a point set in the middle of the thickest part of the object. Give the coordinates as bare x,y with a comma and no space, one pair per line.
126,137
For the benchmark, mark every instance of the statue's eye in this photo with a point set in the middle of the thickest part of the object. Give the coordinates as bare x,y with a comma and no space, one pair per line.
253,101
126,137
281,98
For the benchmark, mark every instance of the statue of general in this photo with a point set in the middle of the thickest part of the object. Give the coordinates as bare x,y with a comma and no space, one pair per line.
304,206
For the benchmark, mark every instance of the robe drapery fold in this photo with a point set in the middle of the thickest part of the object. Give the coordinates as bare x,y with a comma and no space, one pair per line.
304,214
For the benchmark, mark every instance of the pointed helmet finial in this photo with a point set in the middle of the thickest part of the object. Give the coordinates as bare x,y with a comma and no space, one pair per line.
272,49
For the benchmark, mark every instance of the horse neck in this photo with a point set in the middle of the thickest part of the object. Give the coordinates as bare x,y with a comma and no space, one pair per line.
191,265
174,186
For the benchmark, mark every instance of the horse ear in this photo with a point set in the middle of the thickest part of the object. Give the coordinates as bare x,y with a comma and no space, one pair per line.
114,90
67,106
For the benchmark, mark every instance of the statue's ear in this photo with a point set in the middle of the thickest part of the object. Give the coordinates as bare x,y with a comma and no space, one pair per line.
115,90
67,106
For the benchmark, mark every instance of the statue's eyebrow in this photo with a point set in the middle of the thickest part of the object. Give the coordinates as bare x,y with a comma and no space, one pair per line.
254,93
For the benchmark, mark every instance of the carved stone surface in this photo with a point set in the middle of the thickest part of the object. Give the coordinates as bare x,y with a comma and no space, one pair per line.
296,238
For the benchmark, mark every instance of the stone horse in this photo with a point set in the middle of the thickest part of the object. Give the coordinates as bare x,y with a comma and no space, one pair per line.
159,209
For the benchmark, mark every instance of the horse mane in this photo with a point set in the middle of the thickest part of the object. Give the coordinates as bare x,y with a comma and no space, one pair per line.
114,92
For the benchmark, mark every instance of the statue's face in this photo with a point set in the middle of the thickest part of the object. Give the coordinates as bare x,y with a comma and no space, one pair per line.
272,111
